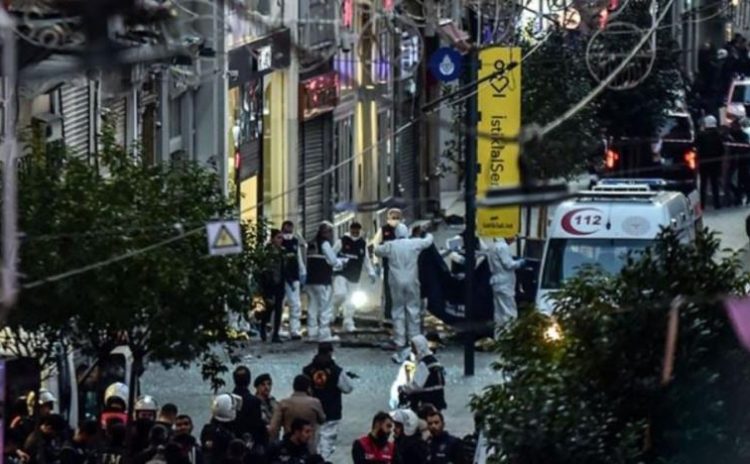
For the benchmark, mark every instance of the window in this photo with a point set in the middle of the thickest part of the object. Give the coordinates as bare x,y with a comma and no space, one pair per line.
343,152
175,118
565,257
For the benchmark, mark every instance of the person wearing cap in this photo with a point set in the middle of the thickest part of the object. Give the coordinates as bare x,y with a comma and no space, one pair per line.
427,384
321,264
353,248
403,256
387,233
410,447
711,152
503,281
263,385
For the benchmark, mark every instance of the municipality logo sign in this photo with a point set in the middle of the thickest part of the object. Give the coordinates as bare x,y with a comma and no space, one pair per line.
445,64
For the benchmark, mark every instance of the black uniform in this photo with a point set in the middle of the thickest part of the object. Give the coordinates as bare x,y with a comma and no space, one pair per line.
355,250
325,380
272,286
250,419
286,452
319,272
433,391
445,449
711,152
215,439
291,259
411,450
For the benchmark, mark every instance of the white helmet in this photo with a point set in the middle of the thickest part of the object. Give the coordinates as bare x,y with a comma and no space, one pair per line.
45,396
408,419
117,391
225,407
736,111
709,122
146,403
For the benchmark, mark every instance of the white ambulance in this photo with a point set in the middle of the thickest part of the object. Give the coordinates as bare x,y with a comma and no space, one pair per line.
600,226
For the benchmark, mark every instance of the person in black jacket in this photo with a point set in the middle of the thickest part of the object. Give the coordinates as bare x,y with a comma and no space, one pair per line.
329,382
711,152
249,424
293,449
444,448
218,434
183,436
273,286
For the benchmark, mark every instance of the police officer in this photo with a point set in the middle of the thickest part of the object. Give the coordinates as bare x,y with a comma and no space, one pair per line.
444,448
321,263
144,419
217,434
329,383
427,385
387,233
115,405
353,248
295,273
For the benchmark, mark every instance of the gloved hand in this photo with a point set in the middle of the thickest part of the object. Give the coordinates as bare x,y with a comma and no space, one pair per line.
373,278
302,279
522,262
352,375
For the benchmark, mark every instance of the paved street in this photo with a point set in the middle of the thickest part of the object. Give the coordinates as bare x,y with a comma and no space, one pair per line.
187,389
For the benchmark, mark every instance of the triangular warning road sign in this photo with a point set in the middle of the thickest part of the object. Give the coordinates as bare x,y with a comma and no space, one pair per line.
225,239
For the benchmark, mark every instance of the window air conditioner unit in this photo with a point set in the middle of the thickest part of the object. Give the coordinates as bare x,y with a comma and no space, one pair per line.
50,126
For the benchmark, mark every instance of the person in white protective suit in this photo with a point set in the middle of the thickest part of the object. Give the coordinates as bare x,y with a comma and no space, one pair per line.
403,255
295,275
503,269
353,248
321,263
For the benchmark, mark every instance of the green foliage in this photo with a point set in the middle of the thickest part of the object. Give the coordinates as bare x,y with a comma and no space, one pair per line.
596,396
171,303
554,79
642,110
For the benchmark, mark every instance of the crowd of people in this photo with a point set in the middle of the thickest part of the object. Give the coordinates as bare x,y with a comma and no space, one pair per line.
246,427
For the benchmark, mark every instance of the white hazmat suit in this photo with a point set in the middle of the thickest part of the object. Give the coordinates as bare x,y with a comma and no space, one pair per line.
403,254
503,268
343,287
320,305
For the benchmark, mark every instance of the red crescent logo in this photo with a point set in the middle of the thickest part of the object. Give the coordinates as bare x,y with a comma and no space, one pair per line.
567,222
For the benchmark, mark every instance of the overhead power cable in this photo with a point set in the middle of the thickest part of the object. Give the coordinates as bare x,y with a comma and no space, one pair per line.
539,132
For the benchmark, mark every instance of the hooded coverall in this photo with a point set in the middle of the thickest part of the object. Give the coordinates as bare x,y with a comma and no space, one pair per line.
343,287
403,254
503,268
320,306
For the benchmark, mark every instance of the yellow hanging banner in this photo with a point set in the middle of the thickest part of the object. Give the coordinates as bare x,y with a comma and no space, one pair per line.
499,104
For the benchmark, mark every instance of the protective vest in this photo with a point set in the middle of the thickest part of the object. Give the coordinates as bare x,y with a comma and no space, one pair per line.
389,234
325,387
354,250
291,264
319,272
433,391
375,454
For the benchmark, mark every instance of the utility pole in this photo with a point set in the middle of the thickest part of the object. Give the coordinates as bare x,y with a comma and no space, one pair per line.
470,198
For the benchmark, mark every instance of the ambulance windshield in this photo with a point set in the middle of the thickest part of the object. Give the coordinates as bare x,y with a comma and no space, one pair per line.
565,257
